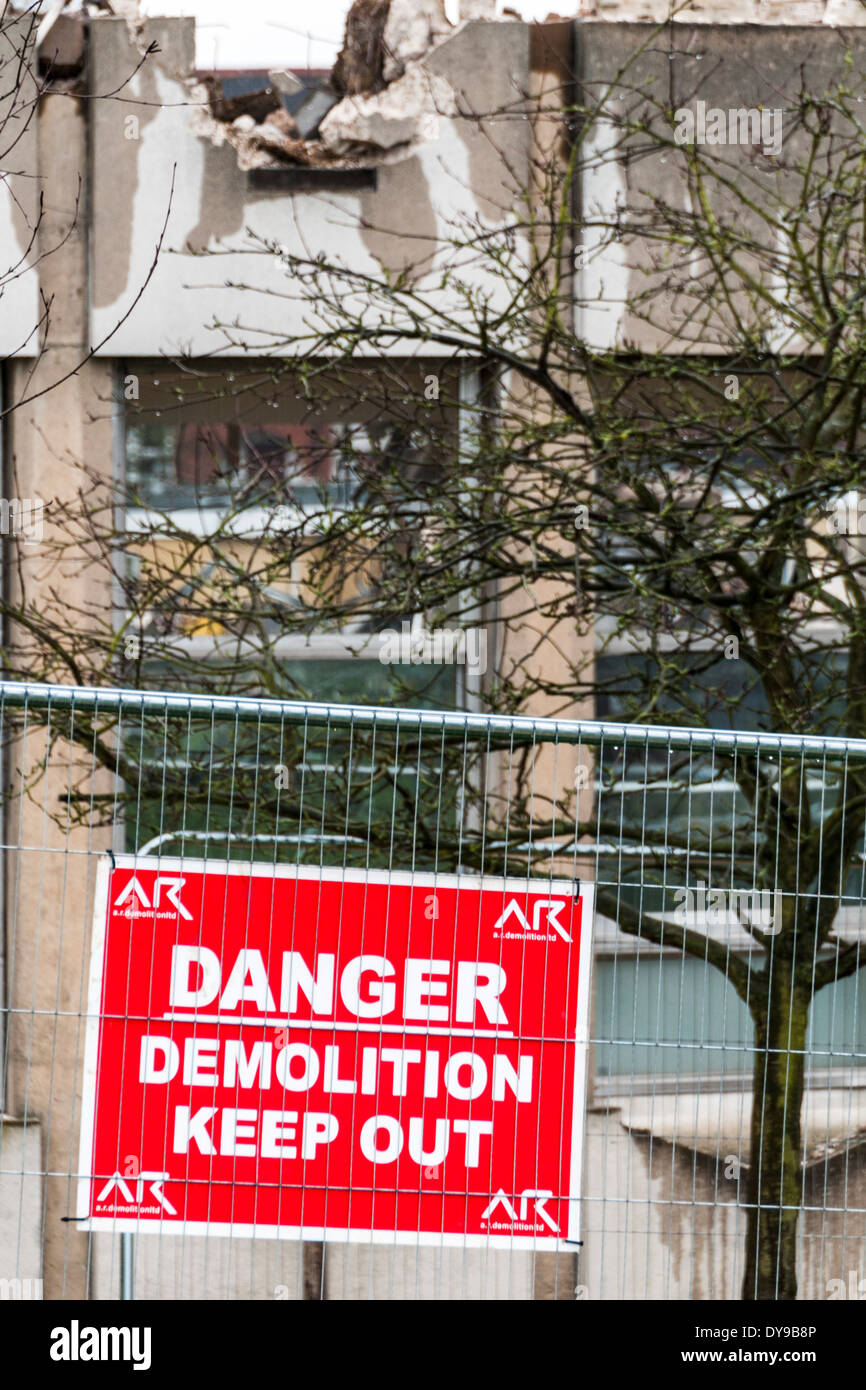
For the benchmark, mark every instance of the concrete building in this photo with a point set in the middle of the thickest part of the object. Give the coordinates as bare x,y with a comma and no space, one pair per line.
143,165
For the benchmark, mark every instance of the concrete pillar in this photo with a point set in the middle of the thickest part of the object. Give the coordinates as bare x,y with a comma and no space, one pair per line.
533,643
50,865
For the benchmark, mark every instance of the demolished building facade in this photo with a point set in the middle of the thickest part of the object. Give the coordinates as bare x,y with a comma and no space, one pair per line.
187,179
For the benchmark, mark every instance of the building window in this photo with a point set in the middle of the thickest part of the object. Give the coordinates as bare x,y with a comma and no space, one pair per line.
215,463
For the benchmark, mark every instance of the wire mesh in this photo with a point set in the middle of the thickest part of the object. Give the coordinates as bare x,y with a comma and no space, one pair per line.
722,1129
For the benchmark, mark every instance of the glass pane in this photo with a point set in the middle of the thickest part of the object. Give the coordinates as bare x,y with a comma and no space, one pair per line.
173,465
669,1016
837,1028
680,1017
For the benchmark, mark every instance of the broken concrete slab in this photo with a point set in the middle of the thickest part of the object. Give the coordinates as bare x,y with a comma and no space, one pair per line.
406,112
364,129
285,82
313,109
381,100
412,28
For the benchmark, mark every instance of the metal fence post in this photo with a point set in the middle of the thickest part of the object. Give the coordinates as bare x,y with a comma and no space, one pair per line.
127,1267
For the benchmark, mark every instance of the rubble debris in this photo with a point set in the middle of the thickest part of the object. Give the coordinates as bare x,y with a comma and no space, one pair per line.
411,29
390,101
380,102
357,131
361,61
272,143
276,130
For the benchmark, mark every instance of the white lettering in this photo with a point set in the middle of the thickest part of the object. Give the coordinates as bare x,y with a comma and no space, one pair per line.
419,987
382,997
369,1135
238,1126
298,979
189,1127
519,1081
319,1128
277,1126
182,995
199,1061
400,1057
283,1067
470,992
441,1142
369,1071
248,966
331,1079
431,1075
150,1070
474,1131
478,1080
241,1070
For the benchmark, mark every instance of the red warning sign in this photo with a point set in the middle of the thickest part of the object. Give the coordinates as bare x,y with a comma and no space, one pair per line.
335,1053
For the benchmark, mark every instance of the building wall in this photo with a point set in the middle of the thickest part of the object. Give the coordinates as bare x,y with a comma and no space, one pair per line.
654,1227
470,166
629,73
63,422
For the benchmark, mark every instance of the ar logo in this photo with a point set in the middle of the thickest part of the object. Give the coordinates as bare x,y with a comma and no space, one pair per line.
125,1191
552,906
539,1198
172,892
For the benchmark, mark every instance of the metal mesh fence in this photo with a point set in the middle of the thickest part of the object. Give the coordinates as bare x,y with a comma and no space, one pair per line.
721,1133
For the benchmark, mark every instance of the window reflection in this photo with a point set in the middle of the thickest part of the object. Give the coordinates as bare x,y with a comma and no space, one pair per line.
178,465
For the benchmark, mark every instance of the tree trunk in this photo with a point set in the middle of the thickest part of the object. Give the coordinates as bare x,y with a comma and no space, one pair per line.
775,1164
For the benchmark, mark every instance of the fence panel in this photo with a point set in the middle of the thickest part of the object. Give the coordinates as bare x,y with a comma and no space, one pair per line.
722,1130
